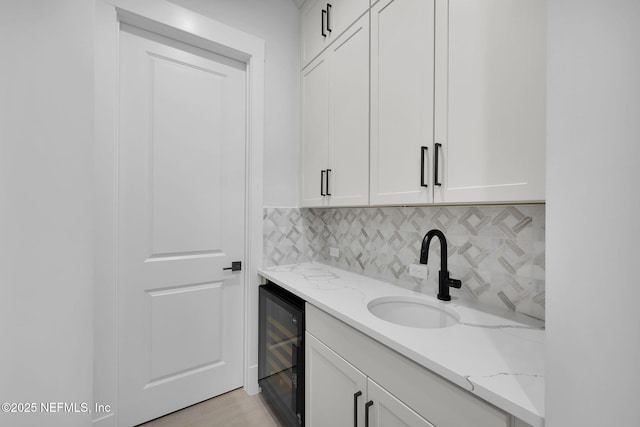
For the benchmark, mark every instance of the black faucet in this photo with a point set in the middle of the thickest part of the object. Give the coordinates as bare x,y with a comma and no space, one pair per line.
444,281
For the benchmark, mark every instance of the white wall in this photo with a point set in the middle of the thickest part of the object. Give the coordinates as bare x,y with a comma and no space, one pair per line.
593,210
46,119
276,22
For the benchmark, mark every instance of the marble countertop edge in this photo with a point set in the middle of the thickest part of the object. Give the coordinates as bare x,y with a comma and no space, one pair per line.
517,392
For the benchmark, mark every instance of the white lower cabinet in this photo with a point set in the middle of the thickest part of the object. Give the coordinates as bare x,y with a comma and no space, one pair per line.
384,410
333,387
346,371
457,101
338,394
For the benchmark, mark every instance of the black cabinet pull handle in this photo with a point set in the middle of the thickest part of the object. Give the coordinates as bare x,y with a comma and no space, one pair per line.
324,15
329,17
322,172
328,193
235,266
423,151
356,395
436,182
366,412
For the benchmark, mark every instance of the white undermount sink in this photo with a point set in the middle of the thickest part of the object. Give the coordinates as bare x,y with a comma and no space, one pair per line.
412,311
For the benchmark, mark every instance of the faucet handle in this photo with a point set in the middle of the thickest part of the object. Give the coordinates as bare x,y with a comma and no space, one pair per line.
454,283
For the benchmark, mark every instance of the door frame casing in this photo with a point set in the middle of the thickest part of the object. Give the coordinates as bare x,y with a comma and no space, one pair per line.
169,20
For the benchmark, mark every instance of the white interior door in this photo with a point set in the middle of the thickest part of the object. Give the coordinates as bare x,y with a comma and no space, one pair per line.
182,131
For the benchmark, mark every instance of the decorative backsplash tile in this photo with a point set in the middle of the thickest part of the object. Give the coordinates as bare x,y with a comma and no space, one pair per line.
497,251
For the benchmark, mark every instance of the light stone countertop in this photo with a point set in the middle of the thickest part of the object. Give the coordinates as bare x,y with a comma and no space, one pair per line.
496,355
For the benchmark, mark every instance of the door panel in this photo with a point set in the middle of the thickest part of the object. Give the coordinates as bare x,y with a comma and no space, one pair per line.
387,411
402,92
330,385
180,213
185,104
315,136
171,349
349,117
492,112
340,14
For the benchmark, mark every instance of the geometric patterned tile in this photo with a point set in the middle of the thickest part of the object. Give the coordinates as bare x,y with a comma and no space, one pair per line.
474,220
473,253
443,218
495,251
511,221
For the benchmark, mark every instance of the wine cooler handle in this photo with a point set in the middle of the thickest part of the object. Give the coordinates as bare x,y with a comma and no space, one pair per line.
294,364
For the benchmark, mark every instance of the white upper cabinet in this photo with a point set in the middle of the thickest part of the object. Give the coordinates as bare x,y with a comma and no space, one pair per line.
315,132
402,76
324,21
335,122
348,174
490,100
457,110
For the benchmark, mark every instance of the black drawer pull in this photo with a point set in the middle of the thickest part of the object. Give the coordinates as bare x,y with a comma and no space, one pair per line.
436,182
366,412
324,15
356,395
423,151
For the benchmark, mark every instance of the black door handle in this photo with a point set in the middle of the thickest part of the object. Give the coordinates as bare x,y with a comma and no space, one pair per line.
324,15
235,266
328,193
322,172
436,182
356,395
329,17
423,151
366,412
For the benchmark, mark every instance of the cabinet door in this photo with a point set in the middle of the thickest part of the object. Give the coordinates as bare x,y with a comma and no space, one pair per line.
349,117
315,37
490,100
402,79
323,21
330,386
315,131
387,411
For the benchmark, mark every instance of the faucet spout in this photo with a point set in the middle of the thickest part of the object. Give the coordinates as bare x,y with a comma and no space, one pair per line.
426,242
444,281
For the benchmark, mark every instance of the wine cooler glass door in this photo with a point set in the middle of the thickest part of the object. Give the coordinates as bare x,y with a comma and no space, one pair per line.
281,355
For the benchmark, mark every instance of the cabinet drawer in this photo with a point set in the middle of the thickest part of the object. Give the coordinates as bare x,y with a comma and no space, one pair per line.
437,400
328,17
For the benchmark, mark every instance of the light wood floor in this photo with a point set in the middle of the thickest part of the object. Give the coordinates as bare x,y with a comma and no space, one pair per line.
233,409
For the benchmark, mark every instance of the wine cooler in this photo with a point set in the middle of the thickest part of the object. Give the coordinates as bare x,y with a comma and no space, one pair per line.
281,353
